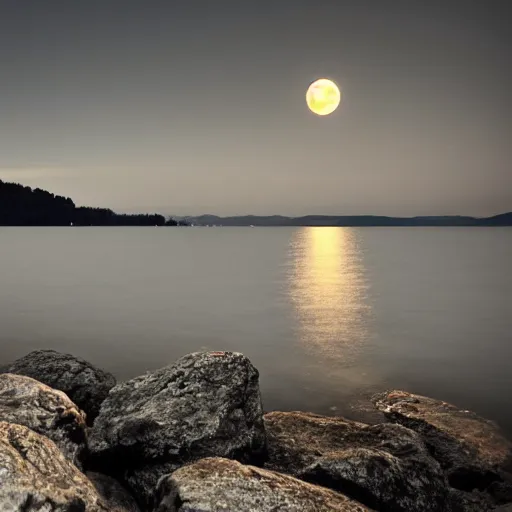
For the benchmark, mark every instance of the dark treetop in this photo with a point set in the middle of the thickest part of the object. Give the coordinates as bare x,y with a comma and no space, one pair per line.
22,206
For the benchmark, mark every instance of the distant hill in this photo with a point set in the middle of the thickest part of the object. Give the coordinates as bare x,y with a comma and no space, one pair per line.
22,206
247,220
504,219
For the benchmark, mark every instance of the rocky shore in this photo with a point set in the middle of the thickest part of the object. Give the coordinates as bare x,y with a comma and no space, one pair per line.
192,437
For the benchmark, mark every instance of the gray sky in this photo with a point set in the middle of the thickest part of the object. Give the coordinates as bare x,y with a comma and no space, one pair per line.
198,106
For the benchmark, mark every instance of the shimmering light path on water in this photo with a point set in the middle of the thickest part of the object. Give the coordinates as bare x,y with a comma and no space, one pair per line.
328,315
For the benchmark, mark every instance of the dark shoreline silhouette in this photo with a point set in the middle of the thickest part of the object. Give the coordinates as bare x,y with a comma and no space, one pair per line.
504,219
24,206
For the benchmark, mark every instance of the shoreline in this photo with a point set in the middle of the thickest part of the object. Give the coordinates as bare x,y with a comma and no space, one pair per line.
140,444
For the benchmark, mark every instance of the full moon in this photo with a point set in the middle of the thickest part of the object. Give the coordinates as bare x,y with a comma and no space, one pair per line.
323,97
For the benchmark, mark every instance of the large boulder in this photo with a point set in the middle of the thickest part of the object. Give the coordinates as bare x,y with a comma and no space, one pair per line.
85,384
206,404
471,450
216,484
44,410
386,467
117,498
35,476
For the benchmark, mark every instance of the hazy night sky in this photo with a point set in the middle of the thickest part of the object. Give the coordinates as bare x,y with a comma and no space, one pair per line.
188,107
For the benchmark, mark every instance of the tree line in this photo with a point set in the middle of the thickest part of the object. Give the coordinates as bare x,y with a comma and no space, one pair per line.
24,206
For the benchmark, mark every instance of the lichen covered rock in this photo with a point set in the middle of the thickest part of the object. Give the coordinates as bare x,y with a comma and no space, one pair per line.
206,404
35,476
86,385
386,467
44,410
471,450
216,484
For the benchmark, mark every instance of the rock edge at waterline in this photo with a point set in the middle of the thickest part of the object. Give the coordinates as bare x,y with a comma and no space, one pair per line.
192,437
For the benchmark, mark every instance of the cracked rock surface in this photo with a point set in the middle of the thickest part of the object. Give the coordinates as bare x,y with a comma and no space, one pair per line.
216,484
44,410
206,404
385,466
35,476
471,450
86,385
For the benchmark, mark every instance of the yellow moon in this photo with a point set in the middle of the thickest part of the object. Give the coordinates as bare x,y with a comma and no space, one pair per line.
323,97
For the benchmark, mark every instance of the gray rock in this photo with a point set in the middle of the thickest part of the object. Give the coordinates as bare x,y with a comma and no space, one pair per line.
461,501
86,385
35,476
386,467
216,484
117,498
471,450
46,411
206,404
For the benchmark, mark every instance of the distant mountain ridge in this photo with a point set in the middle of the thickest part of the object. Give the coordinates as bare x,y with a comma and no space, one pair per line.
504,219
24,206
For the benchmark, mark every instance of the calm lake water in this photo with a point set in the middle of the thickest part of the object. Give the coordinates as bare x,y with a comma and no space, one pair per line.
328,315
